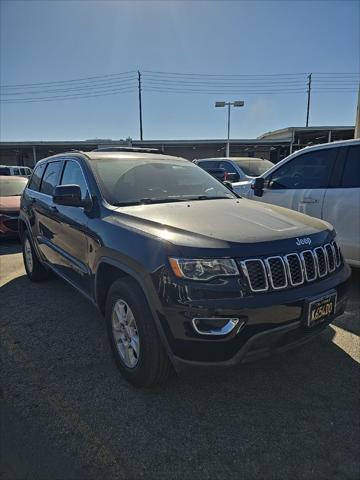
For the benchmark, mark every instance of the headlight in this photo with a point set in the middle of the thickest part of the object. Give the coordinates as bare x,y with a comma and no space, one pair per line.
203,269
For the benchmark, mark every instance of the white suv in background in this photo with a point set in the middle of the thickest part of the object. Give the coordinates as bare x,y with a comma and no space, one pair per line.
322,181
21,171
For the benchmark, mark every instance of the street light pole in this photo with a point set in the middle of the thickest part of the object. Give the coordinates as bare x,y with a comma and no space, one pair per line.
238,103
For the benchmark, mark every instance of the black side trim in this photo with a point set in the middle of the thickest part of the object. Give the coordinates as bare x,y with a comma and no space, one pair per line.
78,265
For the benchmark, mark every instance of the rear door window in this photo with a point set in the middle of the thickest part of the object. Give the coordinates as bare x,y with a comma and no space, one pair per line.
351,174
35,180
51,178
229,168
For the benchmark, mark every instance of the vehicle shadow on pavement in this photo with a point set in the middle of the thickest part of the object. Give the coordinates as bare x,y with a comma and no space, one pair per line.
8,247
290,416
350,321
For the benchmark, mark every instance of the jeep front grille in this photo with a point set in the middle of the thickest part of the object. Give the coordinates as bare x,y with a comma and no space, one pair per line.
254,270
292,269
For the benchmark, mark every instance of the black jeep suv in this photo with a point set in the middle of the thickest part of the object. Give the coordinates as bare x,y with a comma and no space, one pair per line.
186,273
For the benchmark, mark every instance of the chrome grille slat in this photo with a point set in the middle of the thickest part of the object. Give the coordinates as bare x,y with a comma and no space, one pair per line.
337,253
276,274
320,256
330,257
293,269
309,265
251,276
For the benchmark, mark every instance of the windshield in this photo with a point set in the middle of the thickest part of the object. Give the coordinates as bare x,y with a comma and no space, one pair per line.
12,187
254,168
131,181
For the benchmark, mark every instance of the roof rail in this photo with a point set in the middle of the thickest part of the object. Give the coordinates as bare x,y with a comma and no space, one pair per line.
126,149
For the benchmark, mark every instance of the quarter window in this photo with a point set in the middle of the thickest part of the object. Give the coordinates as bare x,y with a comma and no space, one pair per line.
36,177
309,170
50,178
73,175
351,175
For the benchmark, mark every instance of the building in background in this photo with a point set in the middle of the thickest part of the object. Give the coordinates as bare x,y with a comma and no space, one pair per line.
300,137
273,146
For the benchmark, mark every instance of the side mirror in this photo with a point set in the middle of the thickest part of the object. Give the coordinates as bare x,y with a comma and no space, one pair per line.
228,185
69,195
258,186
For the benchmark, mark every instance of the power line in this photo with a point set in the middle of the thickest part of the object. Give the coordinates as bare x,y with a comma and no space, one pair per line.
221,75
87,88
67,97
217,92
175,82
220,84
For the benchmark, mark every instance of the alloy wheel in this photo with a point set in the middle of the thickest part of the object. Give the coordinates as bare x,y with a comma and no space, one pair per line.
125,333
28,255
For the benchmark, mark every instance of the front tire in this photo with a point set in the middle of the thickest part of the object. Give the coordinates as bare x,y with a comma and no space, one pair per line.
135,342
34,268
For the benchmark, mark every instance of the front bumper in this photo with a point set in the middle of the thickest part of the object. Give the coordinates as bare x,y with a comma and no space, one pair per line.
273,322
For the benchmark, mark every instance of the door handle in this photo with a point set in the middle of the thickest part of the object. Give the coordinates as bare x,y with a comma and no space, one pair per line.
309,200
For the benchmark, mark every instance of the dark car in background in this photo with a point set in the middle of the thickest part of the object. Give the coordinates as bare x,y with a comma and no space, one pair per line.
11,189
185,273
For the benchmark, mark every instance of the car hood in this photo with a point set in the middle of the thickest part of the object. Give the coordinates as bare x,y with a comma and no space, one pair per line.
9,204
243,182
217,222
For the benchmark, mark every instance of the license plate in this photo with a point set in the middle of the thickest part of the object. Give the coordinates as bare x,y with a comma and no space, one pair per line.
321,308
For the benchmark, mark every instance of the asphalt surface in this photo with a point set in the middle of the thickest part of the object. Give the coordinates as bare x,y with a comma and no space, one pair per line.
66,413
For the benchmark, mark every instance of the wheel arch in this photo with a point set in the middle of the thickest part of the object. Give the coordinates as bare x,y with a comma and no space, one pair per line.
22,226
106,274
110,270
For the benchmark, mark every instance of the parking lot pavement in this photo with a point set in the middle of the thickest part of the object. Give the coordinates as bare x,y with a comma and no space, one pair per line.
67,414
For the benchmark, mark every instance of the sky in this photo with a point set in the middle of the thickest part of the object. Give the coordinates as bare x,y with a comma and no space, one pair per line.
56,41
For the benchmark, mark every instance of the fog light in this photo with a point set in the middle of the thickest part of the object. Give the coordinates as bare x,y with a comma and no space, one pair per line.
216,326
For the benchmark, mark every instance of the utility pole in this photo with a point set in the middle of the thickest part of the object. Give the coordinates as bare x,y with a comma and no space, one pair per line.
308,100
228,133
140,106
357,121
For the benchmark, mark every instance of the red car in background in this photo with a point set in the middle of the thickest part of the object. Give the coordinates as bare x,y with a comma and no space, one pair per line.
11,189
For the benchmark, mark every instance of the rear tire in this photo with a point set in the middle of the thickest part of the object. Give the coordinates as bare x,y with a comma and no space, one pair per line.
135,342
34,268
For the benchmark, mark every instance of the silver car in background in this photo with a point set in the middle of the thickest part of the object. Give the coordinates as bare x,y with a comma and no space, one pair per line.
236,169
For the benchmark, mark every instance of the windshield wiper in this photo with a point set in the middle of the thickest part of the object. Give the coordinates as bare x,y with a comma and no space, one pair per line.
148,201
205,197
